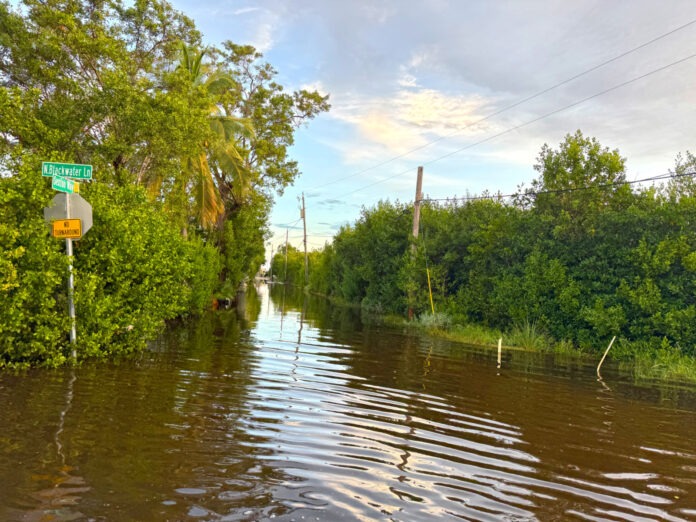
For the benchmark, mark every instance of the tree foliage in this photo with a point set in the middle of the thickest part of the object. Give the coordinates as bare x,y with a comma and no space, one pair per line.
287,266
128,88
133,271
366,258
581,256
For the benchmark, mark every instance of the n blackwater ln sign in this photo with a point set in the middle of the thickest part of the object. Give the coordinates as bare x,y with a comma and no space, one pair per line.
70,217
66,170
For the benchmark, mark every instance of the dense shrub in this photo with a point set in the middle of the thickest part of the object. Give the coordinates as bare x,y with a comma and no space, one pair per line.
133,271
581,257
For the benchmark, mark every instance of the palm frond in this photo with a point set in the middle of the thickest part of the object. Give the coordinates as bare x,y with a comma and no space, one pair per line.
209,202
191,63
220,83
196,71
231,127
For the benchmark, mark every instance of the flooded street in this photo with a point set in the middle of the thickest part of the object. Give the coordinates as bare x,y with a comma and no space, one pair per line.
292,410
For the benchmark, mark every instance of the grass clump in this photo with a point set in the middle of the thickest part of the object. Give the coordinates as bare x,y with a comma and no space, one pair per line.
655,360
436,321
666,363
529,336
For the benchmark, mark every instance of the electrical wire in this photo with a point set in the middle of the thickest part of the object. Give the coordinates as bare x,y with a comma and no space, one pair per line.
659,177
534,120
513,105
562,191
288,225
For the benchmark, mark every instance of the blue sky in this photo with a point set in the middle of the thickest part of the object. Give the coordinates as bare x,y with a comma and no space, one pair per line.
416,82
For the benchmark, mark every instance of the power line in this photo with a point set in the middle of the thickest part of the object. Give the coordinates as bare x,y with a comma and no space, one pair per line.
668,175
534,120
287,225
601,93
513,105
562,191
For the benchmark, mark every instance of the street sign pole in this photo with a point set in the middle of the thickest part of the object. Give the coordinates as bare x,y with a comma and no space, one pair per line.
71,294
63,176
71,286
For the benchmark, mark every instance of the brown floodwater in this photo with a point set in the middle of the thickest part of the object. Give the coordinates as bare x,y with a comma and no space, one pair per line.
294,410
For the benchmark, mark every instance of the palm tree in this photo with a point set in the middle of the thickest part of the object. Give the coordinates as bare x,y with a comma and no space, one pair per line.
216,171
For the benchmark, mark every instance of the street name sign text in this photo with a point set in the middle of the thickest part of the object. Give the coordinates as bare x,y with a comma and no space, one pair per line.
64,185
66,170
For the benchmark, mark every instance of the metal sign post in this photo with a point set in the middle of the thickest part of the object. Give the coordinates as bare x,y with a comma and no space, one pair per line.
71,285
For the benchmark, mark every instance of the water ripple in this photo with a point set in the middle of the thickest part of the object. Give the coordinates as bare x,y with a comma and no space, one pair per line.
378,451
350,425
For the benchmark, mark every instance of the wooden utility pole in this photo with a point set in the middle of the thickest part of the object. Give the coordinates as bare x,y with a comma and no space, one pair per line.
306,259
416,224
416,206
270,268
286,257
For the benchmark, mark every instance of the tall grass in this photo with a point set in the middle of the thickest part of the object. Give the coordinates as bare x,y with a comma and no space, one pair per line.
473,334
666,364
644,361
436,321
529,336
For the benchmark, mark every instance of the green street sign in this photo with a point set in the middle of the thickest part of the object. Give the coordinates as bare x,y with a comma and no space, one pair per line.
66,170
64,185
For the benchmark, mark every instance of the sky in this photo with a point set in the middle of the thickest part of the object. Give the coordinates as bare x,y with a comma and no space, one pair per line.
452,85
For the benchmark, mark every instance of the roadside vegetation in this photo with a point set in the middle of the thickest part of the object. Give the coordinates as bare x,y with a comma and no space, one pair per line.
189,146
567,263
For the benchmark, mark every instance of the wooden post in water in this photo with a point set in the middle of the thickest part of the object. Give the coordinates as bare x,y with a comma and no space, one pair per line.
599,377
500,350
430,291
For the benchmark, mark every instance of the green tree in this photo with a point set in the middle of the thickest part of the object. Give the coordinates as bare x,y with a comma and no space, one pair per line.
83,79
683,182
273,114
199,179
133,272
287,266
261,102
98,84
32,268
242,246
367,259
581,257
578,181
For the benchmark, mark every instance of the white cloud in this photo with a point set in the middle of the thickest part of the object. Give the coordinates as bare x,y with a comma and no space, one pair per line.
245,10
410,119
440,113
407,80
262,39
317,86
378,14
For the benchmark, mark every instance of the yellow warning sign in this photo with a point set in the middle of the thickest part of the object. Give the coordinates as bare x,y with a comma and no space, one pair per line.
67,228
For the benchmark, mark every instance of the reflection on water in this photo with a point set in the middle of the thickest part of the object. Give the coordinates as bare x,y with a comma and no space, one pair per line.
289,409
